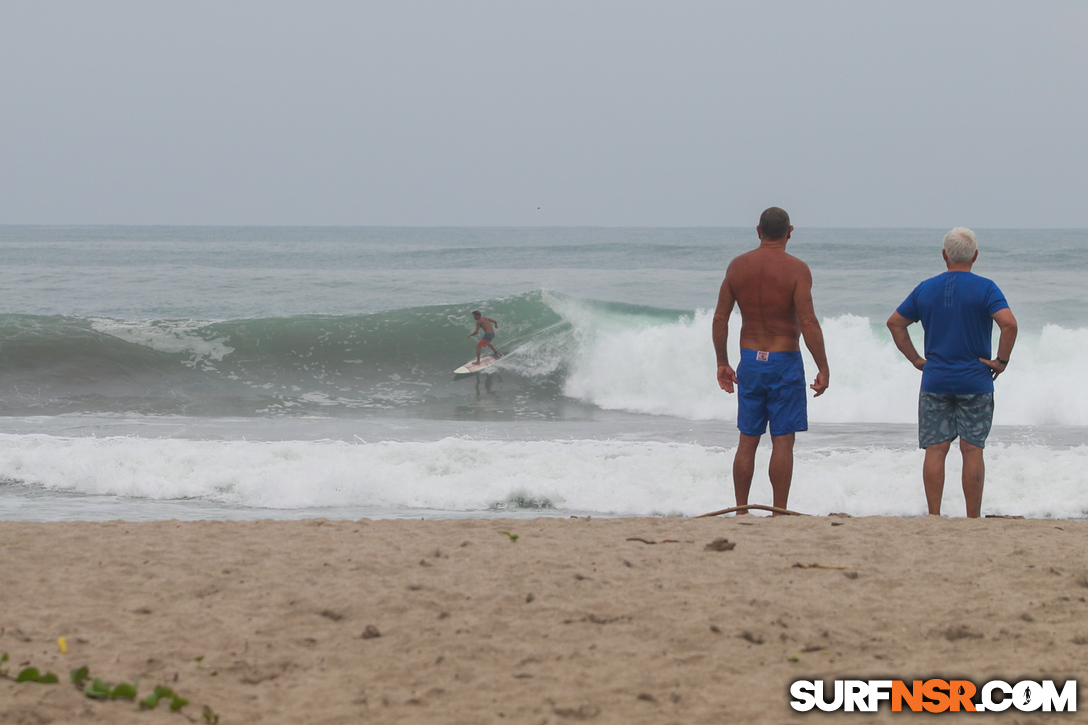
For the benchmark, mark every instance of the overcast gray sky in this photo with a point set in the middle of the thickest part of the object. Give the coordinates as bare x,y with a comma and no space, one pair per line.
861,113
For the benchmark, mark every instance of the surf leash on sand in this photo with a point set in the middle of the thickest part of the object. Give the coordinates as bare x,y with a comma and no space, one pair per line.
749,507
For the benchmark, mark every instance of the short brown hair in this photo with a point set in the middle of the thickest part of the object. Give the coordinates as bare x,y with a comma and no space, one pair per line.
774,223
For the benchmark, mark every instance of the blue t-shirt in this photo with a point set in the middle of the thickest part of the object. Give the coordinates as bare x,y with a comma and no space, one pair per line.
956,311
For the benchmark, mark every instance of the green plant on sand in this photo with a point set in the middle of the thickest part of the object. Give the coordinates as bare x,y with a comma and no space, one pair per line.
99,689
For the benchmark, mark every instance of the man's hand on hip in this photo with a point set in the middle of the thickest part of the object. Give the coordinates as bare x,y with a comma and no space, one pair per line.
996,366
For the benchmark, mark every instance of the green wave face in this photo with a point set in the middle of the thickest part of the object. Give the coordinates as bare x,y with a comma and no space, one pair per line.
313,364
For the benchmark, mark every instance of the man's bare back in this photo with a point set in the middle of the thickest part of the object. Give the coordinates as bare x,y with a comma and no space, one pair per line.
486,324
764,282
774,292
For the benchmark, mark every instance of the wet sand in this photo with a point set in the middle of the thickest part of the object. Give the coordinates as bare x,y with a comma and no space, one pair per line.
603,620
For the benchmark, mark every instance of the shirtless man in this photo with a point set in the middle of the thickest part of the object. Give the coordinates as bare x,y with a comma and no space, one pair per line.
774,292
488,325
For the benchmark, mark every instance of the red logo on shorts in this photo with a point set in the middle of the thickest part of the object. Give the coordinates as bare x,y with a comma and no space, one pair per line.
763,356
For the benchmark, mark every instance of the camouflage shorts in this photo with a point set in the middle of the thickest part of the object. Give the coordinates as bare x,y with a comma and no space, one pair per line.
944,417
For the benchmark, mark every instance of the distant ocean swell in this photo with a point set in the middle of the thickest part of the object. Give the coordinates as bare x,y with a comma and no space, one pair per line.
610,355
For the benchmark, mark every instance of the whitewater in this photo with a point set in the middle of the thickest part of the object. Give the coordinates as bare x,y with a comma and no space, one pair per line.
246,372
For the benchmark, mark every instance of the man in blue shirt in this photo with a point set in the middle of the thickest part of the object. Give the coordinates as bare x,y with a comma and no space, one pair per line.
957,310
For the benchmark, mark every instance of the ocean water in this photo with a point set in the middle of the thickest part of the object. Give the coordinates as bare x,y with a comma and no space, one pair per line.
246,372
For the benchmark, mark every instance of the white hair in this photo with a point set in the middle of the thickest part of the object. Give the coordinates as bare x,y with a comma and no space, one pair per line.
960,245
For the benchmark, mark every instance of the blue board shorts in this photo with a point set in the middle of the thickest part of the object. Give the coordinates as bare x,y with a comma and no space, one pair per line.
489,336
771,387
942,417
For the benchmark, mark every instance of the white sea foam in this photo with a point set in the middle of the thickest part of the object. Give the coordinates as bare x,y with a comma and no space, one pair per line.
464,475
670,369
169,336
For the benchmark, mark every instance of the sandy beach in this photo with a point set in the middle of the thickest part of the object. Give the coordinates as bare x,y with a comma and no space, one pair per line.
531,621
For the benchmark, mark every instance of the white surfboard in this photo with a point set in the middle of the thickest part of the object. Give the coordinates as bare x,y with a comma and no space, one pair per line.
475,367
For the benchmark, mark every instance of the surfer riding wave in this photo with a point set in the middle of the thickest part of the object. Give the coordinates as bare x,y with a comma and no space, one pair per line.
488,325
